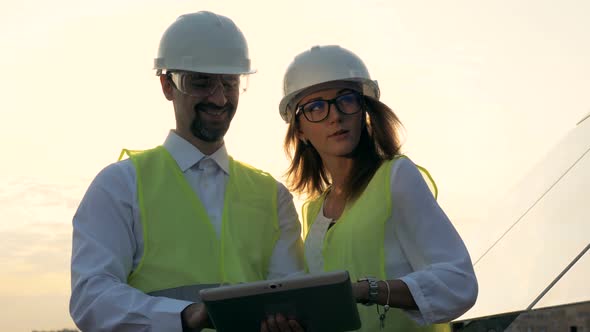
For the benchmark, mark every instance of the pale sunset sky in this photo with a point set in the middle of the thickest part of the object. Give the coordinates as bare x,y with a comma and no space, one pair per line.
485,89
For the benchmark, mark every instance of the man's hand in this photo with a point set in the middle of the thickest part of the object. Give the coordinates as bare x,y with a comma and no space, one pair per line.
195,318
279,323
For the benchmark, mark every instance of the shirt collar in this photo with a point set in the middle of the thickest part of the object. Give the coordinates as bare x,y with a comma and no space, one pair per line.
187,155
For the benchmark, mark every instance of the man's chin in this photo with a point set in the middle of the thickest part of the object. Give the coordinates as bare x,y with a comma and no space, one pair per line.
211,128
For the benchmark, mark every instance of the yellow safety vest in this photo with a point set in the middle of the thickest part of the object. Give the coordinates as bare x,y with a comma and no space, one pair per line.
356,244
181,246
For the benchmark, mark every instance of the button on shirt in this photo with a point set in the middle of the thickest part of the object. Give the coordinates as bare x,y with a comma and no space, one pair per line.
108,242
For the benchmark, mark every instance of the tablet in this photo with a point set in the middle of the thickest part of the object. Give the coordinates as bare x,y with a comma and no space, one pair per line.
319,302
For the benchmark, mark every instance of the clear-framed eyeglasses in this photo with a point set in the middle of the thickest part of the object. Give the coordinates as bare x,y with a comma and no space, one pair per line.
203,85
318,110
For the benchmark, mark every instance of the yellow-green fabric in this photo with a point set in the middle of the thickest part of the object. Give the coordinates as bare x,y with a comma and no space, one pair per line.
356,244
181,246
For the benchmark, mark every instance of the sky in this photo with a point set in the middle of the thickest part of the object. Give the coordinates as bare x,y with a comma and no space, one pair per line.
484,90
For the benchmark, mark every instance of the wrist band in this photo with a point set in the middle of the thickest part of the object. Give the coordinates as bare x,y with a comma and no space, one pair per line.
373,290
385,307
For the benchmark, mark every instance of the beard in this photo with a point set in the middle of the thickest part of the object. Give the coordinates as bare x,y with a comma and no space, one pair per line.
211,131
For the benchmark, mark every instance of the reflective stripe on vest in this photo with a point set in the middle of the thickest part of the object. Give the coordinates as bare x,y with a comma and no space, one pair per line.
356,243
181,246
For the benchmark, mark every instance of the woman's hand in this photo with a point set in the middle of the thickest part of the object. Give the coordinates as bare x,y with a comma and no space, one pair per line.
360,291
280,323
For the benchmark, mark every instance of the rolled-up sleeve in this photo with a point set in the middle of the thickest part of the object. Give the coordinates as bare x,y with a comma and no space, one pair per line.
103,252
443,282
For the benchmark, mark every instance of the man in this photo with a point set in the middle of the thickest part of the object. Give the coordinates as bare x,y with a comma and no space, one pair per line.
154,229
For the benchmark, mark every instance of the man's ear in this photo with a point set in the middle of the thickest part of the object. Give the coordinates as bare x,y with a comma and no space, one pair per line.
167,87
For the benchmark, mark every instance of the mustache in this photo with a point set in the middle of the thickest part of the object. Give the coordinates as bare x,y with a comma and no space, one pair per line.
208,107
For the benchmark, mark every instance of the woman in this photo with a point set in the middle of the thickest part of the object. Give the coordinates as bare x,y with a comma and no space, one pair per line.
369,210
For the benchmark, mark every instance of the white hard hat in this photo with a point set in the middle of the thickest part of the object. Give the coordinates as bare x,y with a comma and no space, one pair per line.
203,42
322,64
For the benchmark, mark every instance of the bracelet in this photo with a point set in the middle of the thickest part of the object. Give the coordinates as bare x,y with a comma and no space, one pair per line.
385,307
373,290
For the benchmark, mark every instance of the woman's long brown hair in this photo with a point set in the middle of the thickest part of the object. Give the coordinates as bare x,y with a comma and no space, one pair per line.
379,141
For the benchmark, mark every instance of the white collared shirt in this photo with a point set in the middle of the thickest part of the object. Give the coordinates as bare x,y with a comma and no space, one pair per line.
108,242
422,248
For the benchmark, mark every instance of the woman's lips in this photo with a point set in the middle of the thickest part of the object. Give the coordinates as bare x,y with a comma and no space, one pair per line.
339,133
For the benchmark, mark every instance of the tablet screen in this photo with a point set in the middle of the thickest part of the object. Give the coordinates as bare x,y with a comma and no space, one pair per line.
319,302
